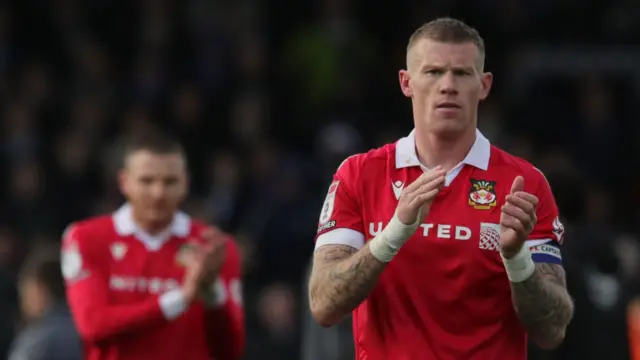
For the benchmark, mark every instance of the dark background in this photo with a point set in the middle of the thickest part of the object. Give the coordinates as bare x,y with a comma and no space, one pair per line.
270,96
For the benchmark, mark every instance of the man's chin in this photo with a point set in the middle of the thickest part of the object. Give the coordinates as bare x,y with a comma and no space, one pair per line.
159,216
448,127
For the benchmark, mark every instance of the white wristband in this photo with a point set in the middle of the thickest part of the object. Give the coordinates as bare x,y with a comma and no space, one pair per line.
521,266
173,304
387,244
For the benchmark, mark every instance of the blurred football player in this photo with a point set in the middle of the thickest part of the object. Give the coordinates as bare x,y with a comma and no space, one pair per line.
148,281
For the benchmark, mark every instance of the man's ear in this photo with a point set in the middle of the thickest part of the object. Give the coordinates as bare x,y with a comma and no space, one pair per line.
405,82
486,79
122,181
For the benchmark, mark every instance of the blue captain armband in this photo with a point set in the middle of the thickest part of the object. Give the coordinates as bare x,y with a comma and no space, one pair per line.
547,252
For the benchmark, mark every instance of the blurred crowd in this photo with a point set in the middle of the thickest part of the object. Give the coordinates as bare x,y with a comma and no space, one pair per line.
269,97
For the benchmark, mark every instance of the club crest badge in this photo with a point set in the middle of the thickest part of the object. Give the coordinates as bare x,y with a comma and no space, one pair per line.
482,195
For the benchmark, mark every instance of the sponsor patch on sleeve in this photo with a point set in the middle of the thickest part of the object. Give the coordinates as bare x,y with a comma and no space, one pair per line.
546,253
326,226
329,202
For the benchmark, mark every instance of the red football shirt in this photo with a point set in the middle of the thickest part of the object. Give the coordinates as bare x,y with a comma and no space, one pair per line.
123,291
446,295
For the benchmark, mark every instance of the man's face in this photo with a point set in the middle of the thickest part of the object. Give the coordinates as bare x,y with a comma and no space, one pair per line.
154,184
445,82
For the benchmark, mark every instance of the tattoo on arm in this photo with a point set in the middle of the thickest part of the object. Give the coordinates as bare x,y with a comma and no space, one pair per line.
341,279
544,305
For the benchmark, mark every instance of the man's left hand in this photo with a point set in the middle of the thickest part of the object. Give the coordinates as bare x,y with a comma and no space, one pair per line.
215,248
517,219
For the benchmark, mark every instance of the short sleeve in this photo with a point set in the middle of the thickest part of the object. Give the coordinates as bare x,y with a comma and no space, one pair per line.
340,220
547,236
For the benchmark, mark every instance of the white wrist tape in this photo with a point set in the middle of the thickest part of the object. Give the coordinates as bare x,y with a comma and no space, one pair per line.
387,244
173,304
521,266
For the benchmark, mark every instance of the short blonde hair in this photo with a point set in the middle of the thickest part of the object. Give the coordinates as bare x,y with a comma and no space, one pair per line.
448,30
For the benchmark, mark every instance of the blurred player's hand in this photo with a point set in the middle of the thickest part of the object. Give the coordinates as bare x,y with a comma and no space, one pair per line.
517,219
215,247
204,263
416,198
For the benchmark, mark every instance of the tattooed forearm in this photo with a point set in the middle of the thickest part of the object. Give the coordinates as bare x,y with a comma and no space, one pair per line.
544,305
341,279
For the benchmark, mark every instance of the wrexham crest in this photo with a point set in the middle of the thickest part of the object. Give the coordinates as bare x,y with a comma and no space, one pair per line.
482,195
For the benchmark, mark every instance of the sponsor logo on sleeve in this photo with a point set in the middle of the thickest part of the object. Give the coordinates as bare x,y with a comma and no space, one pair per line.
329,202
482,194
326,226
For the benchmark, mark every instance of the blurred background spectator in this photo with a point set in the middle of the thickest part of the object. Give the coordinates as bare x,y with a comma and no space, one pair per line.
269,97
48,331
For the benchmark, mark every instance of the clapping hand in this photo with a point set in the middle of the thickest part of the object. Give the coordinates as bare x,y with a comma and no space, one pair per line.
517,219
205,262
416,199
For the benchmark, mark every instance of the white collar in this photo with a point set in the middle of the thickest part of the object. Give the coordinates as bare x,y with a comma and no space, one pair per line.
478,156
124,225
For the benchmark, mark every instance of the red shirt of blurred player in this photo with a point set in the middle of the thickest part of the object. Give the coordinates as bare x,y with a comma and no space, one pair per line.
442,287
125,272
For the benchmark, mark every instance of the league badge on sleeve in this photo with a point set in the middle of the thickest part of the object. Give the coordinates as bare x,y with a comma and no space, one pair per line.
482,195
71,262
327,207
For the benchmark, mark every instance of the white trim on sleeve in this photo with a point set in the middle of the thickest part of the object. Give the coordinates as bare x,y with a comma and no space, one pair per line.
342,236
173,304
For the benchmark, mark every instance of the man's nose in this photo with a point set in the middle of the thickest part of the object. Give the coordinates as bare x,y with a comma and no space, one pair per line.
158,190
448,84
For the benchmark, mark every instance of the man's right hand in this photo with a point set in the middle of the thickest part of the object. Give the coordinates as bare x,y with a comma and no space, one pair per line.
413,206
416,199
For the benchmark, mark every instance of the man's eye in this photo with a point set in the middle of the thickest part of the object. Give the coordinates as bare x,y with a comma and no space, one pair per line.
461,73
433,72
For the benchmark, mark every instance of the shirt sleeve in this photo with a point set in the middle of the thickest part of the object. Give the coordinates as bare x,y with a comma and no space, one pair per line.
341,216
546,238
87,288
225,313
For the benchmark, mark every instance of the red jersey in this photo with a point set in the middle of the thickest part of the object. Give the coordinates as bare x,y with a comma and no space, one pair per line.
123,289
446,295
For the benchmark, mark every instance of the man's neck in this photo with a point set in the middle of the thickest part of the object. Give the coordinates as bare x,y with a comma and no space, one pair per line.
434,149
151,227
